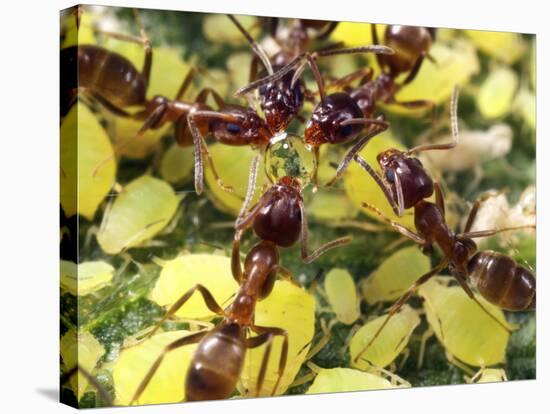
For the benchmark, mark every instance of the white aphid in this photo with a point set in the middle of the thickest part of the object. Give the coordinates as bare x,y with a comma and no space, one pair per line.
474,147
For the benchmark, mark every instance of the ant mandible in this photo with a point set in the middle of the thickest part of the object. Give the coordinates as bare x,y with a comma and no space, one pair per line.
497,277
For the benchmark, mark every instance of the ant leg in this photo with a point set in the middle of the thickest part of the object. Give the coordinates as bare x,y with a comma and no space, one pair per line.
381,126
439,200
186,83
376,41
397,208
488,233
417,104
258,50
154,119
413,72
103,394
186,340
364,74
475,208
200,147
203,96
105,102
399,227
466,288
454,125
266,335
209,301
401,301
286,274
308,258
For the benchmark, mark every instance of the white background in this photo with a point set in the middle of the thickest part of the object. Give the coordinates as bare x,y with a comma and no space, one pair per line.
29,205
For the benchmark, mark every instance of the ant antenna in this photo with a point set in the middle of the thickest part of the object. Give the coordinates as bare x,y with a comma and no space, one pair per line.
260,52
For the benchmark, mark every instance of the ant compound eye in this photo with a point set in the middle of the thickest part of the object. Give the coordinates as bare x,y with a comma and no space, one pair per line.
346,131
233,128
390,175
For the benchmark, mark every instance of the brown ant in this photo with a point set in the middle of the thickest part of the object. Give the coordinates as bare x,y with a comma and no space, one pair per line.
112,80
282,92
341,116
278,217
497,277
226,344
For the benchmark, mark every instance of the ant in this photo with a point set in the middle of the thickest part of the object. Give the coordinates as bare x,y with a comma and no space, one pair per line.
112,80
282,92
226,344
497,277
340,117
278,217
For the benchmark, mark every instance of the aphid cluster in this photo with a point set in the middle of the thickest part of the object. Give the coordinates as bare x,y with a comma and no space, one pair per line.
226,330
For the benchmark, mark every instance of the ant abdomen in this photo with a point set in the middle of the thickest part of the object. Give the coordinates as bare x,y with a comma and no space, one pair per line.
409,43
325,125
206,379
280,219
502,281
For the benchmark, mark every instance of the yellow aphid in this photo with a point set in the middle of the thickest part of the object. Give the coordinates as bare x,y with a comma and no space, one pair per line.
217,28
167,74
497,92
456,64
168,383
485,375
235,64
84,34
86,277
138,213
233,166
356,34
526,104
342,295
331,206
462,327
177,163
507,47
389,344
346,380
182,273
81,348
84,144
360,187
395,275
533,65
291,308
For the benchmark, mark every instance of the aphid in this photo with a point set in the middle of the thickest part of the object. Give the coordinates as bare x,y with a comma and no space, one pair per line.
498,278
176,164
80,348
228,341
347,379
488,375
392,278
141,210
86,277
391,342
84,143
507,47
342,295
466,331
497,92
475,148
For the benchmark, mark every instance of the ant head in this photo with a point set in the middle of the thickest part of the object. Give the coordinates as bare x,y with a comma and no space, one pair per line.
409,44
325,124
245,127
280,101
416,184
